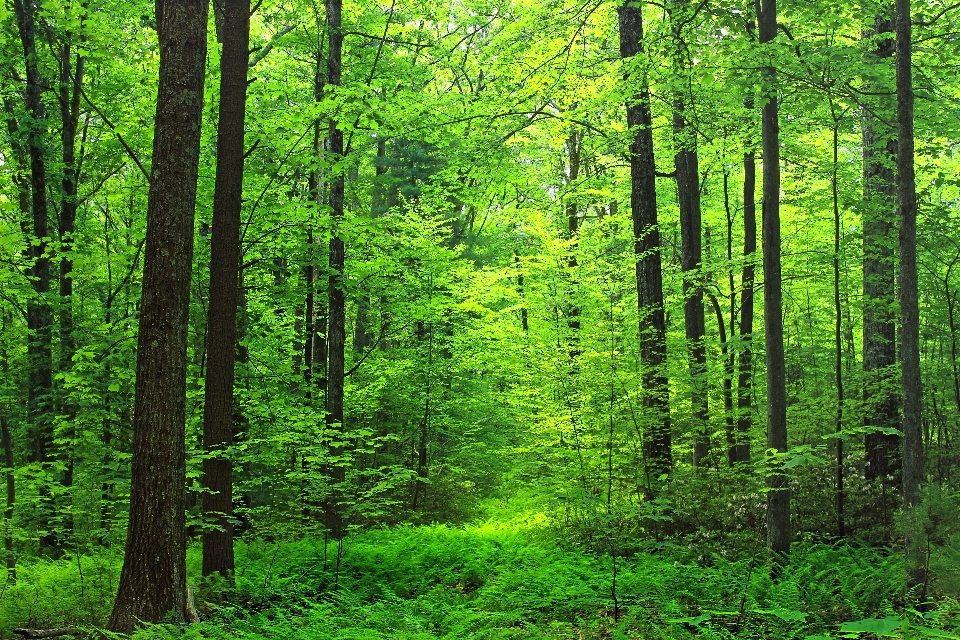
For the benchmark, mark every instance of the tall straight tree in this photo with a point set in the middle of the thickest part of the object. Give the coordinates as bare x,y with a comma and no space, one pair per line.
153,578
643,204
778,495
687,168
336,318
741,450
909,302
879,322
39,317
224,275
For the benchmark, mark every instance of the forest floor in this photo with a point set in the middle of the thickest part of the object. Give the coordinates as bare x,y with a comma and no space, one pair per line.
520,577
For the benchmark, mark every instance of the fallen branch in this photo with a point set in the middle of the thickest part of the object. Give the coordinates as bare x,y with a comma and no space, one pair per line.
45,633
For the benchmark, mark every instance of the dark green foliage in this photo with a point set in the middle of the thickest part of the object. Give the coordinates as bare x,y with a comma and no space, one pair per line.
496,579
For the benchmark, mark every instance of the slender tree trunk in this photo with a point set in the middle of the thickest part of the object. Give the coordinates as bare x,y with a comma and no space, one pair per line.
336,323
912,426
745,369
218,408
778,494
657,450
687,169
727,353
880,397
7,442
153,578
524,321
838,329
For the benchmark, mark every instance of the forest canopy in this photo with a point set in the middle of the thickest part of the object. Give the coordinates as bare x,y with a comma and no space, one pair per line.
647,285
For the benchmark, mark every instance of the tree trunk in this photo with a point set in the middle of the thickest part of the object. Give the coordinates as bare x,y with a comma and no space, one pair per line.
153,578
218,409
879,320
7,443
838,325
657,451
39,317
336,322
687,166
909,305
778,494
70,84
741,451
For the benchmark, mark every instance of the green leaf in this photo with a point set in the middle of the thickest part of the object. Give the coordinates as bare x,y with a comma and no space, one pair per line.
784,614
876,626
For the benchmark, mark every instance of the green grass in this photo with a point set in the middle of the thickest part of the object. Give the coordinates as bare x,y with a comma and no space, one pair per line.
497,579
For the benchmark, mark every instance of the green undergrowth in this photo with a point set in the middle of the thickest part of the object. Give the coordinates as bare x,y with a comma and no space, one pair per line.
514,579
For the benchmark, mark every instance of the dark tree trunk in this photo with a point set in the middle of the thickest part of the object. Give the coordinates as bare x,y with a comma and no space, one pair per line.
879,319
838,326
571,211
687,166
69,96
39,317
524,321
741,451
778,495
912,427
153,578
336,318
657,451
218,408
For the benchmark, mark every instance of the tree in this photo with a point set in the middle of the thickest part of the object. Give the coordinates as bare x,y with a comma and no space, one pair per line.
687,170
909,303
218,407
879,321
39,316
336,319
153,578
778,495
643,205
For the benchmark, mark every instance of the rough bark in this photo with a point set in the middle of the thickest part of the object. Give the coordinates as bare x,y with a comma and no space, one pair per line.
879,317
39,316
153,578
218,408
643,203
778,495
336,318
911,424
687,169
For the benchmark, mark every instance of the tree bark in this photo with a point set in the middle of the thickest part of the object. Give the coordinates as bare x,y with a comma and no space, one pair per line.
838,326
39,316
657,451
687,167
912,427
336,318
879,319
153,578
778,494
741,450
218,408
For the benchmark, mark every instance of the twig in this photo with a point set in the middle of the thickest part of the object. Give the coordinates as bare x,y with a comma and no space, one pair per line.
113,128
267,49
